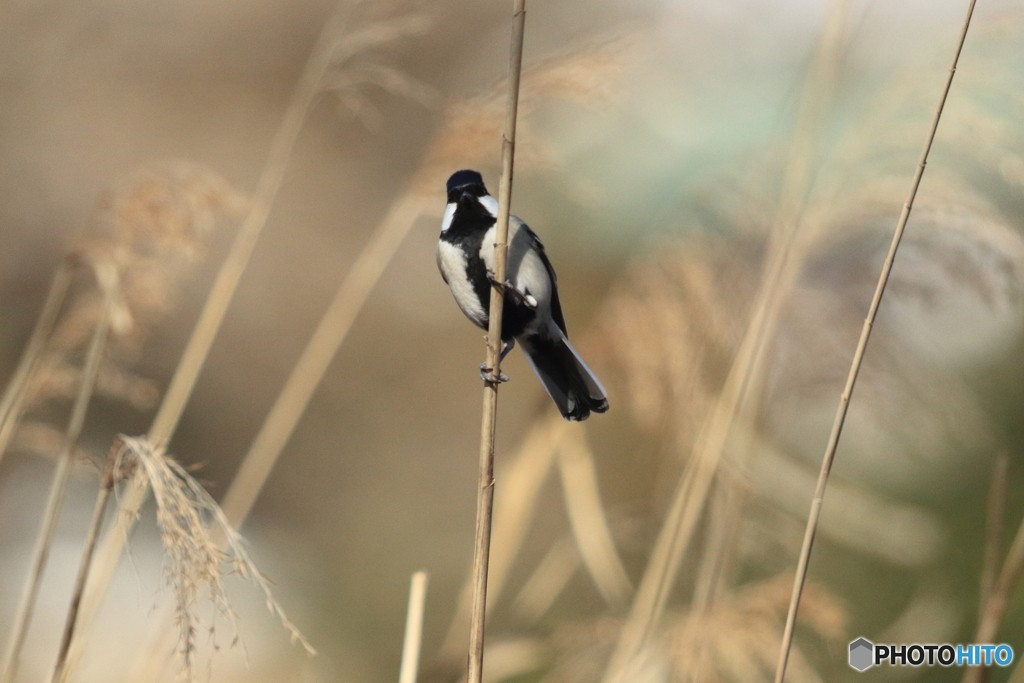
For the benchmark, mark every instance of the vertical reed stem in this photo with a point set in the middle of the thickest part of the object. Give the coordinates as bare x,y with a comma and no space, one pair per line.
858,358
413,628
485,491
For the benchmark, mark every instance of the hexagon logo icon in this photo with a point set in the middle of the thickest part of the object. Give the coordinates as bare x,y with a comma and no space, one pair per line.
862,654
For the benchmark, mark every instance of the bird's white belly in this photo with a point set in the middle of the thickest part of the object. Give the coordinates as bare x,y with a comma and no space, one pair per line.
453,265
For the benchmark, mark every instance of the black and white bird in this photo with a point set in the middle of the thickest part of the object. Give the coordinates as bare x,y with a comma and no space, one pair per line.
532,314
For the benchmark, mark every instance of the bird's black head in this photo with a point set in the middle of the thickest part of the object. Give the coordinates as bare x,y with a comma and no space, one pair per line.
465,181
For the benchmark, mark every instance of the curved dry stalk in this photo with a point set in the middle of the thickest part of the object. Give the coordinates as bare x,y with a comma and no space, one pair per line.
413,628
61,476
178,392
14,393
851,380
588,520
485,491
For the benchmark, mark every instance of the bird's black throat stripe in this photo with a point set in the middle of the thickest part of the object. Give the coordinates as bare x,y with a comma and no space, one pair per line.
469,225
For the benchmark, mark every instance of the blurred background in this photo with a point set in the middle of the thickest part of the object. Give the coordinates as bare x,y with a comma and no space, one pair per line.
689,166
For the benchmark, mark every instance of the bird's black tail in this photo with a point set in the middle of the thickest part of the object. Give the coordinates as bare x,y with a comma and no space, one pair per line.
567,379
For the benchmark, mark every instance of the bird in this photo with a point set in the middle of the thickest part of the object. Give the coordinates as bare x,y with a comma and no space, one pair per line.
532,313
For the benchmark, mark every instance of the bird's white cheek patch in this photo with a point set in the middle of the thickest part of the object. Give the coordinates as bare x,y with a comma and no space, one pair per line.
449,214
489,203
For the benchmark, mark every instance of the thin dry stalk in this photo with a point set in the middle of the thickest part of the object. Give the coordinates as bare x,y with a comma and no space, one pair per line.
306,91
680,521
745,374
547,581
62,474
588,520
994,512
998,599
485,492
513,509
320,351
585,76
305,94
851,380
724,523
413,628
993,539
14,394
107,481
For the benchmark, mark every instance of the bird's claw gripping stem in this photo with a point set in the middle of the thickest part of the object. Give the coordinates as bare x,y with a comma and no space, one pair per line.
507,288
487,375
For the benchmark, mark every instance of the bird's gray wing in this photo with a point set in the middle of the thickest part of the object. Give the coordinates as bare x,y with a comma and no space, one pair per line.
556,306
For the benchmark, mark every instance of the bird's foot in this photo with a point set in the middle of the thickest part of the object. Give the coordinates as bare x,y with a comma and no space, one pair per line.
501,287
507,288
487,375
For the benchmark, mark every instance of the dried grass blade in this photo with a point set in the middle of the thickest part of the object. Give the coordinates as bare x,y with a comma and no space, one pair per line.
106,485
547,581
995,607
680,522
320,351
61,476
588,520
858,357
14,393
